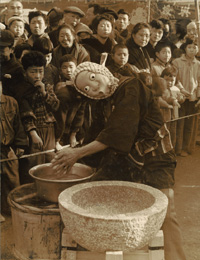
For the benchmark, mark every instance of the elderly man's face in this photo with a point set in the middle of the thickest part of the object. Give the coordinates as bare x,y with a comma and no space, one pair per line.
15,8
94,85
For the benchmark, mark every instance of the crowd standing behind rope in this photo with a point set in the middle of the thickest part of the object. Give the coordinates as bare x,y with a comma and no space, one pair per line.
40,107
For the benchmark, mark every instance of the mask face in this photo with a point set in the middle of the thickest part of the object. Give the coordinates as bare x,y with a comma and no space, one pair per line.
94,85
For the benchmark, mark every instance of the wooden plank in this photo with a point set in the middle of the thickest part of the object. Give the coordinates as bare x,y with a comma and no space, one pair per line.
158,240
118,255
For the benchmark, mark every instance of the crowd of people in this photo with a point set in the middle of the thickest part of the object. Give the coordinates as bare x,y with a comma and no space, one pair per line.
112,90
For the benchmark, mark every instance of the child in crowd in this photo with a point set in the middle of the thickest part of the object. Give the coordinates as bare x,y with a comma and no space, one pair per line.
189,74
70,115
16,26
38,25
156,34
45,46
163,56
13,143
146,78
11,70
119,65
37,106
68,45
174,94
20,50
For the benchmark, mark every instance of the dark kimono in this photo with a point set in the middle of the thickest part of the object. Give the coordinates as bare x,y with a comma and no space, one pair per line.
138,56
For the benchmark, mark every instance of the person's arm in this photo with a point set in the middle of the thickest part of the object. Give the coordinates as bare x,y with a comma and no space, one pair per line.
68,156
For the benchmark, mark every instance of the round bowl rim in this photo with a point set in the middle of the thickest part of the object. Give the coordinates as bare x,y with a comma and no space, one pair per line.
160,203
57,181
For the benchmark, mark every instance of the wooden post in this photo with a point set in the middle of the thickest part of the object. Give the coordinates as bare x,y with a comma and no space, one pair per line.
149,10
197,20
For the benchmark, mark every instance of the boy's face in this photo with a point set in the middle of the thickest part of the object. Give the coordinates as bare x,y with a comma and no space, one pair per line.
122,22
191,50
164,55
15,8
72,19
48,58
17,28
34,74
104,28
170,80
5,53
37,25
66,38
120,56
156,35
67,69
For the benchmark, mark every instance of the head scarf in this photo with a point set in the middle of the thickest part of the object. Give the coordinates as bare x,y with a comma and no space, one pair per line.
95,68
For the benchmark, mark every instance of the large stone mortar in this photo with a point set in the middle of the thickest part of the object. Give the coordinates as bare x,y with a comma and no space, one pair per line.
112,215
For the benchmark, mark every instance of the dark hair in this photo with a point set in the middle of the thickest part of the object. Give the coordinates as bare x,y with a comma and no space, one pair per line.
170,71
122,11
187,42
33,58
44,45
33,14
98,19
19,48
118,46
54,16
97,8
143,76
158,85
68,58
162,44
139,26
157,24
180,26
67,26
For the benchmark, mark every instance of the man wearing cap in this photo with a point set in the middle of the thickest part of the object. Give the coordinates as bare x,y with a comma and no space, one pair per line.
72,16
11,70
131,114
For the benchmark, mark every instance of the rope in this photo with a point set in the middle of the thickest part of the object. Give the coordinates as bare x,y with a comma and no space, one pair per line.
54,150
182,117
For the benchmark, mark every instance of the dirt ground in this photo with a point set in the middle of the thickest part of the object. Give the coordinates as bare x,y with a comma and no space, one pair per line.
187,199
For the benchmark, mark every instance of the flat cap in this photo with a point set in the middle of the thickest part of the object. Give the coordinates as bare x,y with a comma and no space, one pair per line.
75,10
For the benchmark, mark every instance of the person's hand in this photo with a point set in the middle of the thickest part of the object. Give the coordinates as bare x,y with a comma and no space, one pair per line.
170,106
60,85
72,140
175,103
185,92
198,104
58,146
65,159
19,152
41,87
36,140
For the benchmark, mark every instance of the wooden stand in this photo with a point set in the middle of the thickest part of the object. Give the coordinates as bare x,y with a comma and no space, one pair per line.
153,251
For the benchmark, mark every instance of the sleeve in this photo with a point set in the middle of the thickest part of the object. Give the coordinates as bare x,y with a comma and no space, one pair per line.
79,118
122,125
82,55
20,139
51,98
